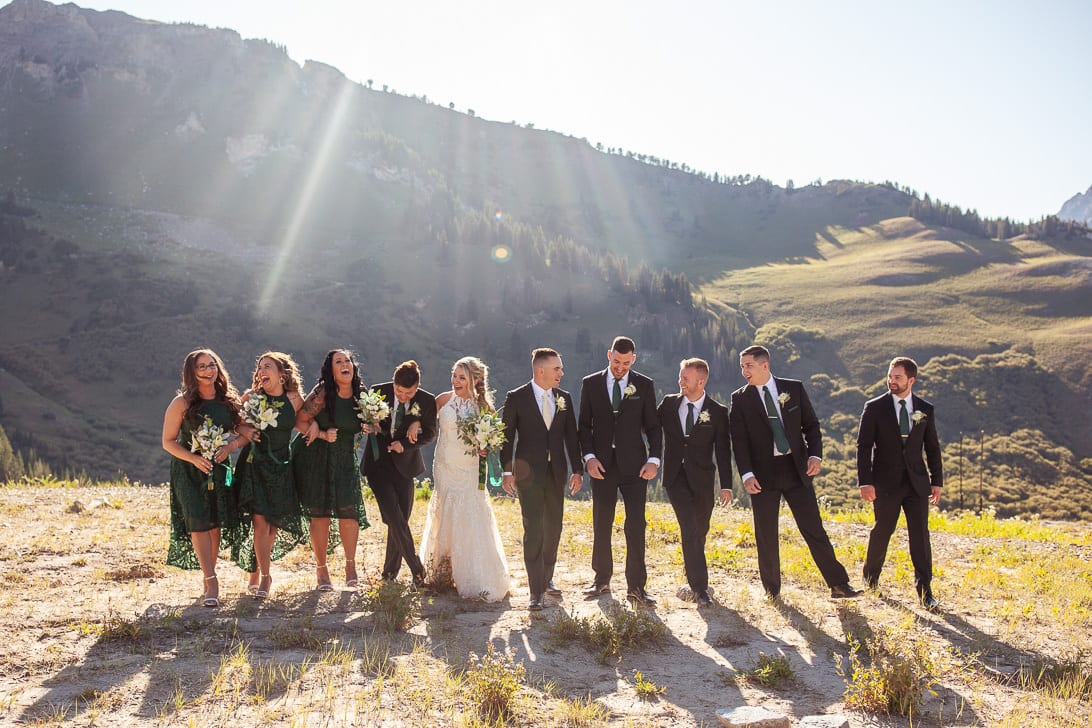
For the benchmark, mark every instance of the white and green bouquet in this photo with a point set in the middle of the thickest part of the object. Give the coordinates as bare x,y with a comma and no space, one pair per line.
484,435
260,413
206,440
371,409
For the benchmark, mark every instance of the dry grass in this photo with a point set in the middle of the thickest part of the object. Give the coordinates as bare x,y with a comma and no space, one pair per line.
100,633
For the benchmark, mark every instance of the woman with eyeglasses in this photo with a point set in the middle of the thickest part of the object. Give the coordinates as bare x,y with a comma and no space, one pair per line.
196,428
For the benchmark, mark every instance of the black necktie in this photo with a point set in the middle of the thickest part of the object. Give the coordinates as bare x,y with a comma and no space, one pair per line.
616,396
904,419
780,440
399,414
689,417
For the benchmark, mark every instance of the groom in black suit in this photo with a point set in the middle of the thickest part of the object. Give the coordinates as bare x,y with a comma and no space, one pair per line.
896,428
778,448
617,415
410,426
695,428
541,432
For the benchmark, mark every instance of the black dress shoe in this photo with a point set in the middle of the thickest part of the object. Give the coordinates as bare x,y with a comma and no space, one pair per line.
703,599
536,603
930,603
419,581
845,591
552,589
596,590
640,595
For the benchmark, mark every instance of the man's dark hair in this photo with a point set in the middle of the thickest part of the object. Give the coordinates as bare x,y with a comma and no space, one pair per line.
541,354
908,365
759,353
623,345
408,374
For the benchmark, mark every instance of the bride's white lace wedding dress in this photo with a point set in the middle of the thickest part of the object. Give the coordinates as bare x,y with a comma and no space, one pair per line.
460,527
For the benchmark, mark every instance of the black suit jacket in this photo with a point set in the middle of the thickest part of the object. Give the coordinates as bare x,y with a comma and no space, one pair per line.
753,440
528,443
883,457
620,437
694,454
408,462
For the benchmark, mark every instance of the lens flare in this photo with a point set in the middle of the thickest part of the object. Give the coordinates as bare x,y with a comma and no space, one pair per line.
502,253
498,215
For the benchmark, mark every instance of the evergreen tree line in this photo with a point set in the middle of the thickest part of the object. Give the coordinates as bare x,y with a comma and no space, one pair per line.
936,212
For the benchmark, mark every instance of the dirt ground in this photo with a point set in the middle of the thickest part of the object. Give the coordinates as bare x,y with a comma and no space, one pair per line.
97,631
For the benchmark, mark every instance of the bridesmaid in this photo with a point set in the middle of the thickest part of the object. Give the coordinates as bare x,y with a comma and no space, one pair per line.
200,515
327,478
263,476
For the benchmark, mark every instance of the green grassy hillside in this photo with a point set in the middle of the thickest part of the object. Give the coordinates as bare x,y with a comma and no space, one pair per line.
999,328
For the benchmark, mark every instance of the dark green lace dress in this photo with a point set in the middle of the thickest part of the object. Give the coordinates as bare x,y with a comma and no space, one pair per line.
195,508
266,487
327,478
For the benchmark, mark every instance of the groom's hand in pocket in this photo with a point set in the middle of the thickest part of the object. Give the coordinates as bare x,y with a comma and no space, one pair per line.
508,482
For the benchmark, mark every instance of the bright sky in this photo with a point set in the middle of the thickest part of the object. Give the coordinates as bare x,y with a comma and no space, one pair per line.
982,103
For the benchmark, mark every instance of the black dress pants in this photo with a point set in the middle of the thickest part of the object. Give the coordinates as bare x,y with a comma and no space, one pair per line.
394,496
765,507
604,500
693,509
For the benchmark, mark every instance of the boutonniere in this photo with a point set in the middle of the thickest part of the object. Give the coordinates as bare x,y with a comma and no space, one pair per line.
629,391
414,410
703,417
783,398
562,405
917,417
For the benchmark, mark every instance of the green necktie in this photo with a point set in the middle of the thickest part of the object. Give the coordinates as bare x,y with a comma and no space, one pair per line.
904,419
399,415
780,440
616,396
689,417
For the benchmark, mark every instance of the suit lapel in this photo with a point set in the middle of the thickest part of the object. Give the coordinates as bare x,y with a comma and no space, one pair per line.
675,401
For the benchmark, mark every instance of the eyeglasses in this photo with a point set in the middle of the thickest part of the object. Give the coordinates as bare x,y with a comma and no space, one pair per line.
206,367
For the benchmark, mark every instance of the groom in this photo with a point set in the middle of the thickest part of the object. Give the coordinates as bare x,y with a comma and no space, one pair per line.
410,426
541,432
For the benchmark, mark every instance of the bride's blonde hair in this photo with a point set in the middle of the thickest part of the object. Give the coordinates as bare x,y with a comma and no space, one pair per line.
477,373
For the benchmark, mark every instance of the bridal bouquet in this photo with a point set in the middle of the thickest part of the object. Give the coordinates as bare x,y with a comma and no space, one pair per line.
260,413
206,440
371,409
483,435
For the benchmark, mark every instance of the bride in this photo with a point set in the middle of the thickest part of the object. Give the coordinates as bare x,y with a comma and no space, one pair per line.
460,531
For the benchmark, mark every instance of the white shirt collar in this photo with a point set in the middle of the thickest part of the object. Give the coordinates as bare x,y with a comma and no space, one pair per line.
909,401
539,391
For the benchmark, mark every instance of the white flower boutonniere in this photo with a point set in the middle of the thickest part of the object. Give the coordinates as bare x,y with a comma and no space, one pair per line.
783,398
917,417
562,405
414,410
703,417
630,391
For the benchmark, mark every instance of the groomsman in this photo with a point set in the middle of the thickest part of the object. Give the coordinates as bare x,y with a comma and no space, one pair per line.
617,415
778,449
896,429
695,427
410,426
541,429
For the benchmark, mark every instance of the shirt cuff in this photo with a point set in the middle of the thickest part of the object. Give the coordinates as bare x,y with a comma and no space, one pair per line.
746,476
655,461
506,473
590,456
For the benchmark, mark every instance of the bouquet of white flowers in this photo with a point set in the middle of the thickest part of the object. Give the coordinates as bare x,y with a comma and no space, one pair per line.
259,413
484,436
371,409
206,440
